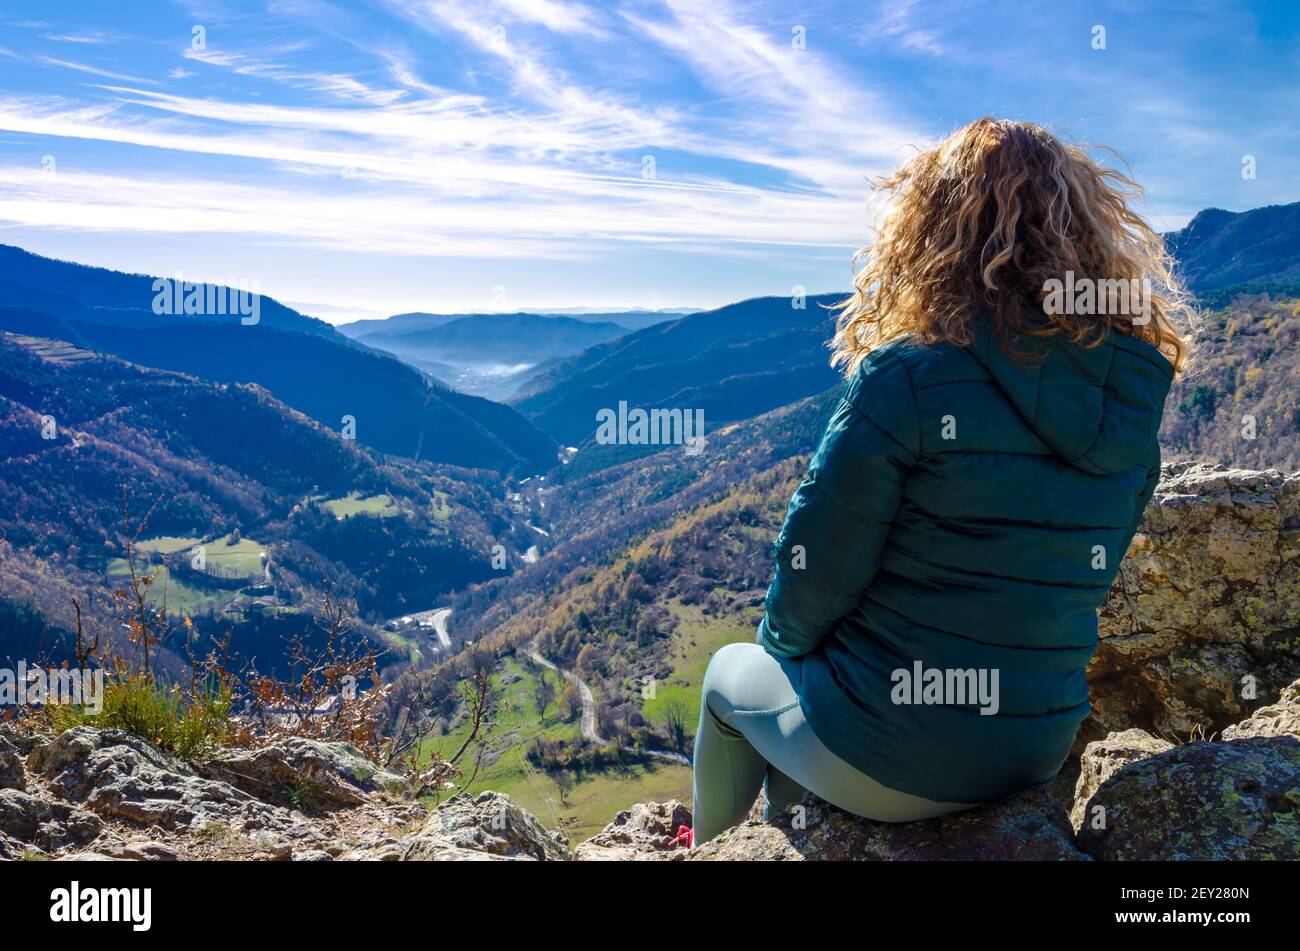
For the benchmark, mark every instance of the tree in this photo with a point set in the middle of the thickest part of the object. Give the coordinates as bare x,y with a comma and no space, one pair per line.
563,780
543,692
676,721
571,702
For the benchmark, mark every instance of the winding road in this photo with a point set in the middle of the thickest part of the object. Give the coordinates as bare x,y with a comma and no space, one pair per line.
588,701
440,617
589,712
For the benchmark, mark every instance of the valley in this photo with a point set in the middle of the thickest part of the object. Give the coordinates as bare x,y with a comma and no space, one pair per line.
601,578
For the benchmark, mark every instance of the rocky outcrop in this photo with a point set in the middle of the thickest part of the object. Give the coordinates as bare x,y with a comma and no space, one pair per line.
115,774
647,831
1278,719
1102,759
489,826
302,773
1238,799
1030,827
33,822
1203,623
106,794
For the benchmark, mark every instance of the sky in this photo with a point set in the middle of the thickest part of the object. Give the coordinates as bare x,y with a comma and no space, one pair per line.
377,156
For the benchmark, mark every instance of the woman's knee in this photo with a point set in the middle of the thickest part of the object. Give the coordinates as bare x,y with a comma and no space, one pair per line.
721,680
743,676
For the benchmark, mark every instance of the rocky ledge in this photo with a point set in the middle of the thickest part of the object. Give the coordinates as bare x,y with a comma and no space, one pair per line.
1202,625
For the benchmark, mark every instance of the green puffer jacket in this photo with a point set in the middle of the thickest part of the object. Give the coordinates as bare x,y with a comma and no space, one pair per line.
966,514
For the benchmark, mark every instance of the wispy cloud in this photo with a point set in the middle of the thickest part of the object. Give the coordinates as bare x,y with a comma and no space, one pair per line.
93,70
89,39
559,130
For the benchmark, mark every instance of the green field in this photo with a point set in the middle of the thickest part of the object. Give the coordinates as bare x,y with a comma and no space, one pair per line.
441,508
181,598
243,557
167,544
401,645
381,506
695,640
593,799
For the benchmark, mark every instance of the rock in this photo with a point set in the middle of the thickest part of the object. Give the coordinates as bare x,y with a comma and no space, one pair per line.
1238,799
1103,758
88,857
116,774
1030,827
1278,719
275,848
47,825
12,774
315,855
388,850
489,826
301,773
11,850
22,740
1208,595
147,851
646,831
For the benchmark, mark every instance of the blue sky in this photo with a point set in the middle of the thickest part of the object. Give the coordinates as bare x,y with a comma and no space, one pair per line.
375,156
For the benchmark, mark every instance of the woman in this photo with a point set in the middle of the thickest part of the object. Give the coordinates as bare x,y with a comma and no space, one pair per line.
1008,349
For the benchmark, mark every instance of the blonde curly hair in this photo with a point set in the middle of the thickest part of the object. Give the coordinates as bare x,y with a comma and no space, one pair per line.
981,223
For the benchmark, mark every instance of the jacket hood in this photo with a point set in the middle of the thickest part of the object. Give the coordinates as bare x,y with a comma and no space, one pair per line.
1099,409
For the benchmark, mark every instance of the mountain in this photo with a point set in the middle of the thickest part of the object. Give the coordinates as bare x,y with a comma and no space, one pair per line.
499,338
89,441
490,355
1221,248
397,324
98,295
731,363
303,361
404,323
1238,403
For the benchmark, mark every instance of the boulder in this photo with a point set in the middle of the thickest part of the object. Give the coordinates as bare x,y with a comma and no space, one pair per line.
489,826
1202,625
1234,799
47,825
116,774
148,851
646,831
1031,827
301,773
1102,759
1278,719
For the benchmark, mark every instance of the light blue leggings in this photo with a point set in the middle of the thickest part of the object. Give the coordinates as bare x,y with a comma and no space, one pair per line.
753,733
